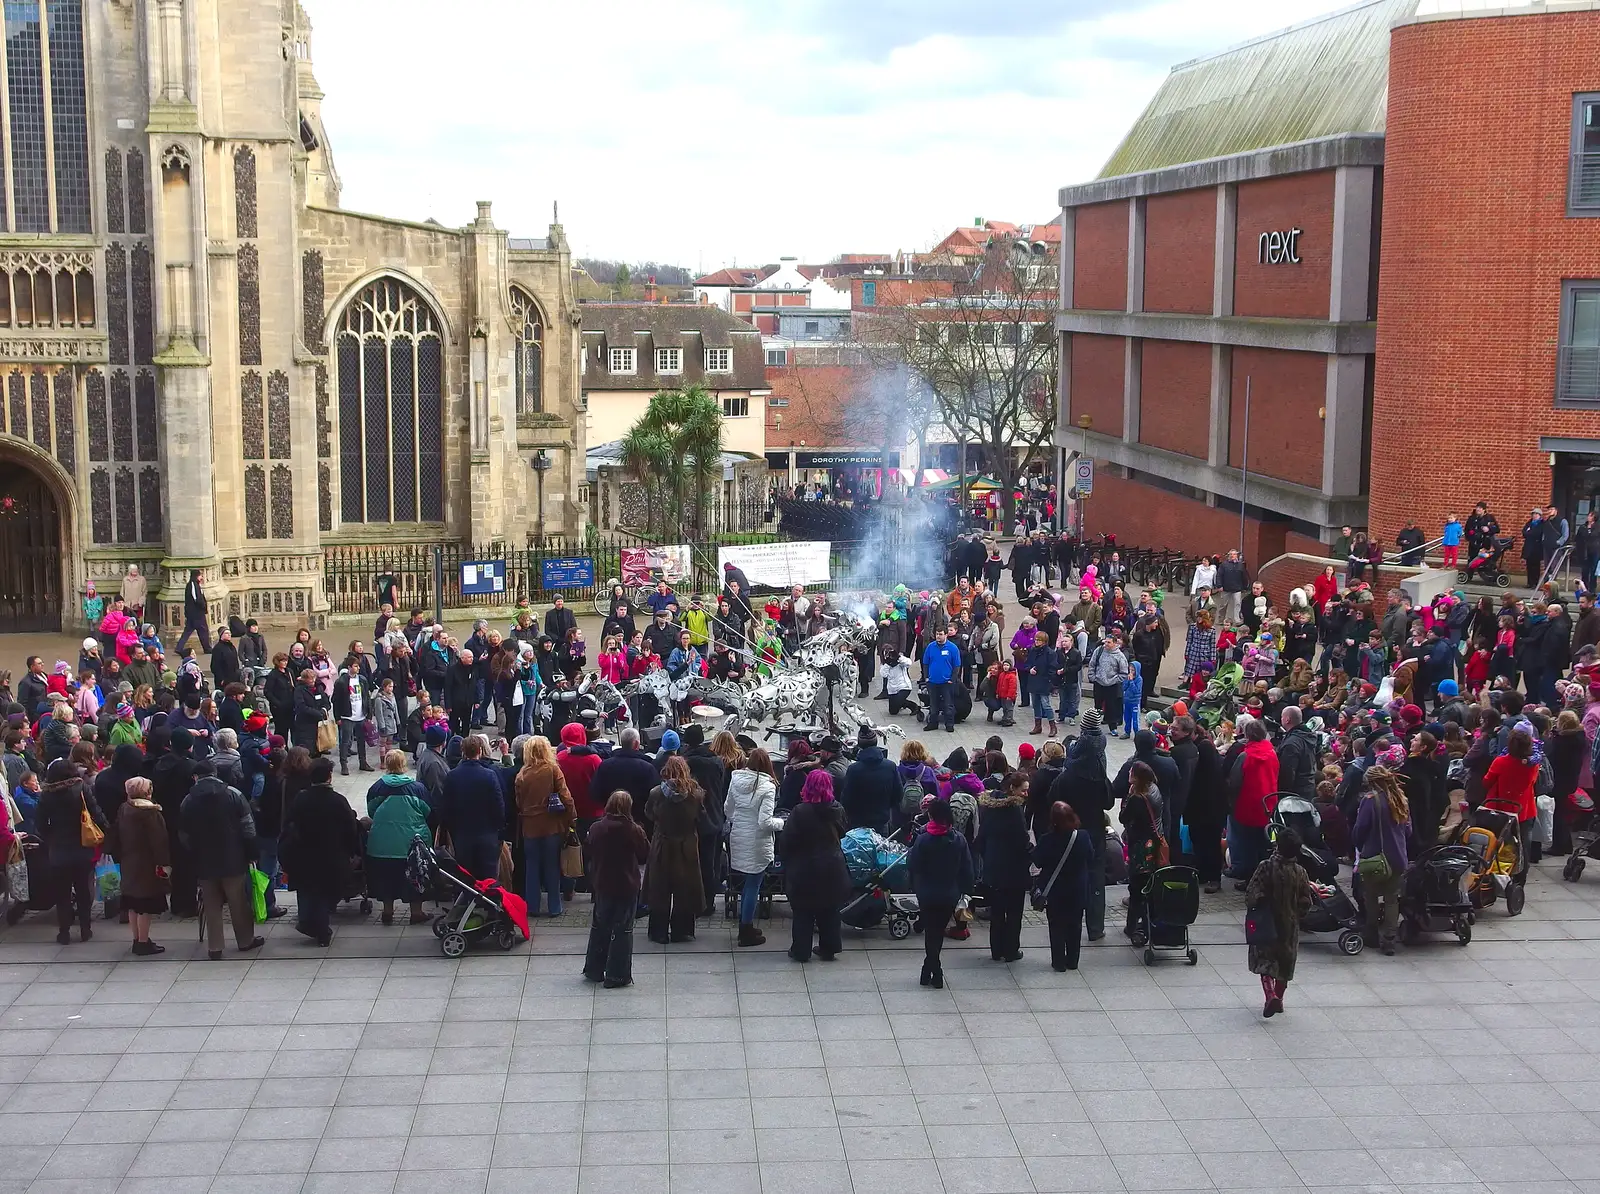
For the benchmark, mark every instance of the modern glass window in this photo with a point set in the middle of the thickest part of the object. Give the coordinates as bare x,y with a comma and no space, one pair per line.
719,360
669,360
736,407
391,407
869,294
1578,363
1583,172
530,353
622,360
46,111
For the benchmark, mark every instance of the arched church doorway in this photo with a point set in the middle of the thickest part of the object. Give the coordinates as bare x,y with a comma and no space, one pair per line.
30,552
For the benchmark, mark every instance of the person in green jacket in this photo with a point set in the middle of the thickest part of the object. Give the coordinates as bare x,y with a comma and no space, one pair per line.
125,729
698,623
399,810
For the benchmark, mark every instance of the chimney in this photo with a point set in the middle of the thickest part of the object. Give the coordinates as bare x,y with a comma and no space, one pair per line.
650,289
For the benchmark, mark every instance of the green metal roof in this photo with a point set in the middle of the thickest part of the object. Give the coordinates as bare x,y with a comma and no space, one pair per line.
1318,79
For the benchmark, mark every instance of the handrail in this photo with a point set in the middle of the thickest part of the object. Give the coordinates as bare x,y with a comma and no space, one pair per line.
1398,557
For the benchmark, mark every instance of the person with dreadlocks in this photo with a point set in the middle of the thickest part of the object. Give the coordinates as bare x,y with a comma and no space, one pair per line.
1383,824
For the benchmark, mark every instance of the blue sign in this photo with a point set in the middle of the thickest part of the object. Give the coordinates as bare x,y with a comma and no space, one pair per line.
483,577
567,572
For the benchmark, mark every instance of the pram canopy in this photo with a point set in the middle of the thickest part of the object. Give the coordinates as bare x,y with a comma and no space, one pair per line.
868,854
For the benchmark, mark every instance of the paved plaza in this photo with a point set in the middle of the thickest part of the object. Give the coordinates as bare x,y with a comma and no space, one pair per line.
380,1066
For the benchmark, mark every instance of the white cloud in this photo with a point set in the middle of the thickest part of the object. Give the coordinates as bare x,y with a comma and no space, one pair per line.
706,131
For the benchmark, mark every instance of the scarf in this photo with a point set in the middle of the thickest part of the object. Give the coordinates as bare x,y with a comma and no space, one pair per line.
936,829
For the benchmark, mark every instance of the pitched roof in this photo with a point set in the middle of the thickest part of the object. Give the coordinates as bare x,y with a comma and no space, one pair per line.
1322,78
731,276
647,326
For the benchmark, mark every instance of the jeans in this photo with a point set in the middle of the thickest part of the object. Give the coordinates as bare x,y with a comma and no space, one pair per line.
315,909
610,952
267,864
542,860
941,703
1071,690
480,710
526,712
1247,846
1005,923
352,732
749,898
1041,706
824,924
480,854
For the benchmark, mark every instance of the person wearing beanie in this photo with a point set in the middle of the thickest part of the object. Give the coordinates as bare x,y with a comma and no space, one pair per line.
939,867
432,770
1026,758
872,786
58,819
671,743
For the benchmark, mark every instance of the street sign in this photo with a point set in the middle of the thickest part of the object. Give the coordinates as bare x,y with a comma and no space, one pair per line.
481,577
1083,476
567,572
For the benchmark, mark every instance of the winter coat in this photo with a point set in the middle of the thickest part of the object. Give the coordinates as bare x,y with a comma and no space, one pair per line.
216,825
617,849
111,785
398,807
1424,784
1375,831
535,783
59,823
319,842
1283,888
1040,797
1002,843
1070,889
748,811
711,774
1254,779
939,867
432,771
470,806
672,874
1082,784
1298,763
872,789
579,764
310,707
460,688
1039,670
815,876
629,771
1509,783
142,846
1108,666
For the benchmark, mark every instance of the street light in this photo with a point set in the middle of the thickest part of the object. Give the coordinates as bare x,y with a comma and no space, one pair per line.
540,462
1085,422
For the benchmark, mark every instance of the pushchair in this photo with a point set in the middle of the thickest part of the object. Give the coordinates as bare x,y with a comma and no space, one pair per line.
879,880
1585,827
1219,701
1171,905
1486,563
1332,909
483,910
1495,839
1435,896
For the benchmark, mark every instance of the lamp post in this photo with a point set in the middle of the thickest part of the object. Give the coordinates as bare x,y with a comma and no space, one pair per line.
1084,423
540,462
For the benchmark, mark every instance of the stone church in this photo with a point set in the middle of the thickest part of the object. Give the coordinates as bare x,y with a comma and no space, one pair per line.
207,363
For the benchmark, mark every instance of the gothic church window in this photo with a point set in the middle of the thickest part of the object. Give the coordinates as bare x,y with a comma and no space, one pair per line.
390,382
530,353
47,117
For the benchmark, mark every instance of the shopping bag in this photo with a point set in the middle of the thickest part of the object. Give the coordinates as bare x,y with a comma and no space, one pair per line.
17,875
258,893
1545,820
507,874
571,857
370,729
107,879
327,737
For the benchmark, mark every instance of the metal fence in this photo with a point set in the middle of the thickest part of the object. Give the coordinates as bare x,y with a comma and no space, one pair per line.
354,574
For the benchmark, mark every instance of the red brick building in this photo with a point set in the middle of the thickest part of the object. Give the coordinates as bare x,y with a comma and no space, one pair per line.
1488,335
1387,221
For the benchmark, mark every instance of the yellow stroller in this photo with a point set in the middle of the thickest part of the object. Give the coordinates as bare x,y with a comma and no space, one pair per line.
1495,838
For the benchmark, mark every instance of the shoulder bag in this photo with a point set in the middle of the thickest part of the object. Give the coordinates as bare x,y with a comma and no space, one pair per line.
1157,854
1376,869
1260,925
1040,896
327,736
89,833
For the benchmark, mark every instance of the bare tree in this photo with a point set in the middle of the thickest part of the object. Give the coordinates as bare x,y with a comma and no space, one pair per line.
985,358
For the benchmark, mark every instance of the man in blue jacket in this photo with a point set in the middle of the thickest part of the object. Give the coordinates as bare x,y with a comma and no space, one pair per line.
941,664
471,810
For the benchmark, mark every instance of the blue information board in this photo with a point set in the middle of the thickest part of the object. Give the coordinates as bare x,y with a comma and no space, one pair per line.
480,577
567,572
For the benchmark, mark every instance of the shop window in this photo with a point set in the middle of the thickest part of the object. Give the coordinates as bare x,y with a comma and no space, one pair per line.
1583,173
1578,365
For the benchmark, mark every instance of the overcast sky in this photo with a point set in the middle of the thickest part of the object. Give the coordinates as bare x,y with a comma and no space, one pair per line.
705,132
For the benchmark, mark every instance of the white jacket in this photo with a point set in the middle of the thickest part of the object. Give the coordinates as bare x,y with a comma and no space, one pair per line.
751,825
897,676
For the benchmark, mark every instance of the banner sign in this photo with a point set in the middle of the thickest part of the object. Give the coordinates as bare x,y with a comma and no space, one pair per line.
568,572
480,577
646,565
779,565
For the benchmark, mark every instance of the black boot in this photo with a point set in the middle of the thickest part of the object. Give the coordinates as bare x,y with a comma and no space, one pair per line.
927,973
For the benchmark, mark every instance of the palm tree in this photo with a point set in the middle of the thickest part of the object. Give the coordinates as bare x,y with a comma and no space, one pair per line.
675,451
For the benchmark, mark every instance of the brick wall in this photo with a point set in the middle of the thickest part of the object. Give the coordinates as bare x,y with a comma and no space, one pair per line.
834,406
1285,573
1476,243
1143,515
1100,257
1287,390
1098,368
1285,291
1180,251
1175,396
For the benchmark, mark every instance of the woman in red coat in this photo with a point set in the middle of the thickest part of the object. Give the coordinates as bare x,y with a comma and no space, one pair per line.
1323,590
1508,787
1253,779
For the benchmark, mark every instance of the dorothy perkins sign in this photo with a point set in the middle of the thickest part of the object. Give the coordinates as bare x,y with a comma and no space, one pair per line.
1279,248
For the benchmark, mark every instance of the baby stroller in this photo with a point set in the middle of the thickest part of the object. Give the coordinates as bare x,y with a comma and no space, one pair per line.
1486,563
1585,834
1494,837
1332,909
877,867
1171,905
1435,895
1219,702
483,910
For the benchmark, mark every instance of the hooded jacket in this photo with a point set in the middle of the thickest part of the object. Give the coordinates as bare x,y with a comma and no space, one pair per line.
1256,775
1297,763
1082,785
1002,843
872,788
398,807
748,809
